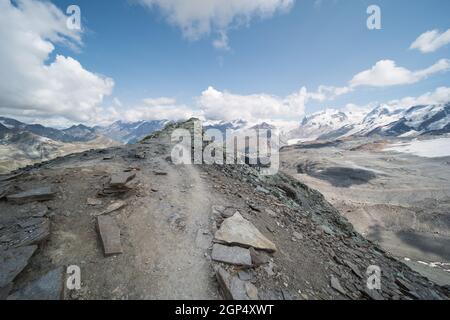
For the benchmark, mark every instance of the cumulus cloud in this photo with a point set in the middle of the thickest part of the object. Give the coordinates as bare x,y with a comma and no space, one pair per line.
223,105
431,41
386,73
33,86
157,109
438,96
197,18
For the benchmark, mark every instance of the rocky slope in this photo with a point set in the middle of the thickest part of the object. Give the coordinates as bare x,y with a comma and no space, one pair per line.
140,227
23,144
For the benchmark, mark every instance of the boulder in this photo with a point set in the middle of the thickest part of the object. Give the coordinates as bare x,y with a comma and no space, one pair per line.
110,235
37,194
231,255
238,231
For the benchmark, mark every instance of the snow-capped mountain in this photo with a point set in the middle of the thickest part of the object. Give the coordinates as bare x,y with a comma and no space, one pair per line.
384,120
325,122
223,126
432,119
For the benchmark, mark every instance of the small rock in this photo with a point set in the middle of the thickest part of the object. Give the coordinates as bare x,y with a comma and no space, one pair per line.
94,202
231,255
252,291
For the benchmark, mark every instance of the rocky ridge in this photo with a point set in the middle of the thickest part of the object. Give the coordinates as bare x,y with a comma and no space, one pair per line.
141,227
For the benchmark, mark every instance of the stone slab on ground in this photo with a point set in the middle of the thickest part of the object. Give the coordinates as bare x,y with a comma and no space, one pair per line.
239,231
121,179
37,194
47,287
24,233
110,235
231,255
12,262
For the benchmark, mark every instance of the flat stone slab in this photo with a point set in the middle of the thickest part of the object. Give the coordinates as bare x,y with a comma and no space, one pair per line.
12,262
24,233
231,255
110,234
239,231
121,179
38,194
48,287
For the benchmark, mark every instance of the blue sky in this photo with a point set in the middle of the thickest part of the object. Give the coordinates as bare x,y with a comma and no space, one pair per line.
311,43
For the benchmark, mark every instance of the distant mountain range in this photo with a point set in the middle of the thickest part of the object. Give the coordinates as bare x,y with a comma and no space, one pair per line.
22,143
383,120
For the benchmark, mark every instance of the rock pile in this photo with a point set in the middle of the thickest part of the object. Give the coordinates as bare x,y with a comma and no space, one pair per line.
20,234
239,245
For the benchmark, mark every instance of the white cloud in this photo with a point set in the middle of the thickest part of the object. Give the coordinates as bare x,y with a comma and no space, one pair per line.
197,18
157,109
31,85
222,105
431,41
386,73
438,96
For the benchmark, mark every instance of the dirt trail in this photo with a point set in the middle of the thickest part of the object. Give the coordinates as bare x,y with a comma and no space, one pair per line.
163,232
167,225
